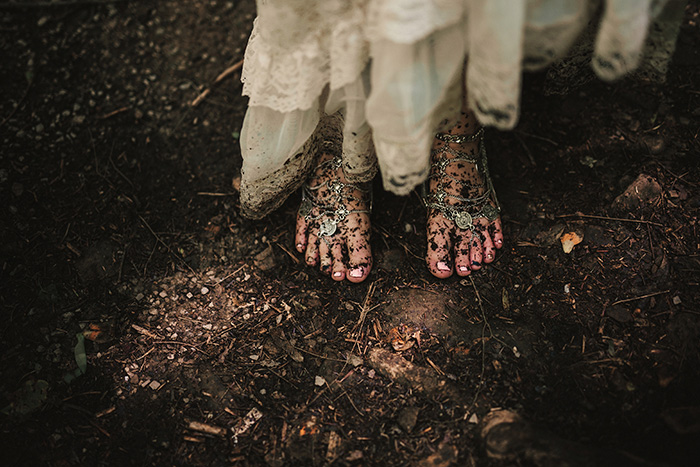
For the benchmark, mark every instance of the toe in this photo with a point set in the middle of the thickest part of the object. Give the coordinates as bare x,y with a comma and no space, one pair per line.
439,247
496,232
476,252
300,238
488,248
462,260
324,255
337,268
311,256
359,251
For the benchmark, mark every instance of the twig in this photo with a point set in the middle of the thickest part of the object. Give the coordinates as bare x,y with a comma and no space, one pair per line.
144,331
208,429
294,258
209,193
527,150
198,100
184,344
365,310
640,297
605,218
167,246
553,143
113,113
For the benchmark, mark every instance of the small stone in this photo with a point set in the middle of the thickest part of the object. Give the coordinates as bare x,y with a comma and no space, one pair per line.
644,190
676,300
473,419
139,297
189,295
619,314
207,326
408,416
354,360
319,381
265,260
204,290
163,294
155,385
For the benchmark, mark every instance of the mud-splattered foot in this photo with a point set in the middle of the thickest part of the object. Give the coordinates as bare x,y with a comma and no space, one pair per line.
333,227
464,226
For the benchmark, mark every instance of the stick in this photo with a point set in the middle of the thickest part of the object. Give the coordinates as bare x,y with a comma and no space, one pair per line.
198,100
208,429
640,297
619,219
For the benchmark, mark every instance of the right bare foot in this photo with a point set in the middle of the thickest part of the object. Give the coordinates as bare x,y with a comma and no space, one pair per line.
333,226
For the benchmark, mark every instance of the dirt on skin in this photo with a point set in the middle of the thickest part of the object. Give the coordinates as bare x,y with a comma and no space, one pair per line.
146,323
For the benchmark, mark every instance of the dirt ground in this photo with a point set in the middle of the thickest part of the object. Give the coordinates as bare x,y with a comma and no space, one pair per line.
144,322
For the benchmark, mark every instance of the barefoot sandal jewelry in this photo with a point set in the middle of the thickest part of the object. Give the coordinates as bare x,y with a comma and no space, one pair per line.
467,210
330,215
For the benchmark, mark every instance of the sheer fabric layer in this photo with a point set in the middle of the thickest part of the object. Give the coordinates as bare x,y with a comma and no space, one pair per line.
389,73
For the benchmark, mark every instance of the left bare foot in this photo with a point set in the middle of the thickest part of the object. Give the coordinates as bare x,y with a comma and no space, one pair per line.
464,225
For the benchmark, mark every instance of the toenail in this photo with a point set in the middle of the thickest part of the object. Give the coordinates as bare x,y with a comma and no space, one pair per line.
499,242
443,266
300,246
489,256
337,274
463,269
357,272
476,263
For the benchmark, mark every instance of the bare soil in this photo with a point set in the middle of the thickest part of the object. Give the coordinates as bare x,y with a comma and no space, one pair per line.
146,323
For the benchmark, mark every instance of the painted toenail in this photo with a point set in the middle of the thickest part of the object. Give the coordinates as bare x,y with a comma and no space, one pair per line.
443,266
337,274
357,272
476,263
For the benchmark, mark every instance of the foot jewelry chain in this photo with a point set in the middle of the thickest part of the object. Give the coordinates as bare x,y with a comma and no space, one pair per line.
469,209
331,215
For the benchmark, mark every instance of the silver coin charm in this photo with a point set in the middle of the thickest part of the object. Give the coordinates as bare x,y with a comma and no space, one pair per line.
464,220
328,228
490,212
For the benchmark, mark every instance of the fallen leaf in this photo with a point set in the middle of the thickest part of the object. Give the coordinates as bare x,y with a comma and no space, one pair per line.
569,240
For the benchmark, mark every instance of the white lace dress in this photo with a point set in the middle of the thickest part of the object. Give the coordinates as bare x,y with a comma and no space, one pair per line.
374,79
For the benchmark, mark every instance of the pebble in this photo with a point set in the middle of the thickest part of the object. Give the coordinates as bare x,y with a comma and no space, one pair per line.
204,290
155,385
319,381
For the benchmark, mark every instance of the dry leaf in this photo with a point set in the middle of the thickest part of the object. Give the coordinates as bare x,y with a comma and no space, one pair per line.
569,240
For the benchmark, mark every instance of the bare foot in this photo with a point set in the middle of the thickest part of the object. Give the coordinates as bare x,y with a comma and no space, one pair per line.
464,225
333,227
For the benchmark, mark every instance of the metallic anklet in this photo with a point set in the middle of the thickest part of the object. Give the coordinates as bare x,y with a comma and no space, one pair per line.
329,226
463,215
